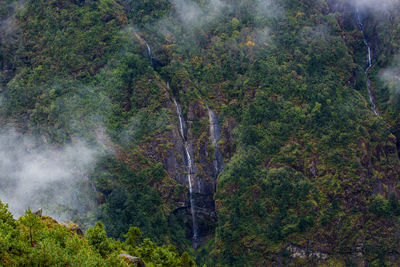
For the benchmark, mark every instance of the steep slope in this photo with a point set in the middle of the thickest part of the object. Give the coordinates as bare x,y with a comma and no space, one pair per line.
39,240
317,174
243,129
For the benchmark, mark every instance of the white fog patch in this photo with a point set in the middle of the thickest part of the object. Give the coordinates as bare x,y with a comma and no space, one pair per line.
189,12
43,176
193,15
391,78
377,5
317,34
7,23
262,36
268,8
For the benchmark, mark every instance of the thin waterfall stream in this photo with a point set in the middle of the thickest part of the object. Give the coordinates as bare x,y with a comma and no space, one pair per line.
149,52
189,162
189,167
143,41
215,134
369,61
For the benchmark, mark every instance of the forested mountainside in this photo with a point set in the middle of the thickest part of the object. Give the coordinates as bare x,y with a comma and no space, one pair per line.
247,133
33,240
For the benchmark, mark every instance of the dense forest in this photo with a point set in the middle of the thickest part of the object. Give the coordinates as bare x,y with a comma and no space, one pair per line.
33,240
234,133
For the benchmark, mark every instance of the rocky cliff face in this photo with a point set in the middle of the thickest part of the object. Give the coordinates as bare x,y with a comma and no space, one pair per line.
202,131
208,163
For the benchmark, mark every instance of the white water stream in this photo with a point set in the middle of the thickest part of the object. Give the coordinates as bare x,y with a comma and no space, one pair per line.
189,167
369,61
189,163
149,51
215,134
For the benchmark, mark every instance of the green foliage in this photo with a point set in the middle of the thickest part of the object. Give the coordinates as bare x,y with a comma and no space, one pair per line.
142,12
49,51
97,238
380,206
303,150
130,200
31,221
5,215
133,236
41,241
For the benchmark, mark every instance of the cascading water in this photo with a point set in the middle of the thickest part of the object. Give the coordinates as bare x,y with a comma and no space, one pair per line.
189,167
215,134
198,188
149,51
369,61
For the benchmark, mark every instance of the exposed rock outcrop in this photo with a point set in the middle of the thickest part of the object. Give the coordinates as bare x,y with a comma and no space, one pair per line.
302,253
130,259
38,213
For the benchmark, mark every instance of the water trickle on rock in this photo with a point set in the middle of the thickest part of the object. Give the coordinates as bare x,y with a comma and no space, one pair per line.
215,134
189,169
369,61
149,51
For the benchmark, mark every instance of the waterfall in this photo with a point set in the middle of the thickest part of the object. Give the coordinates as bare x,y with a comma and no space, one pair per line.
189,167
149,54
369,61
182,127
149,51
215,134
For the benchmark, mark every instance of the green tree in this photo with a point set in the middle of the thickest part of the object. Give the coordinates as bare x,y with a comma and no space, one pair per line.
31,221
133,236
97,238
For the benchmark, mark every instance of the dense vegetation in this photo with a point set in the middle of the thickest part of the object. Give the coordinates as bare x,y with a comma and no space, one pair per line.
308,165
41,241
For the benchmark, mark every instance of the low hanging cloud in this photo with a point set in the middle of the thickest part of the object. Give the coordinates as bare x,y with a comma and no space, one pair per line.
377,5
192,14
189,12
36,175
7,22
318,34
391,79
262,36
268,8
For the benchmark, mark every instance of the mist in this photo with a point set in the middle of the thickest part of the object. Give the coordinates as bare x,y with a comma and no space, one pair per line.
268,8
377,5
391,79
50,170
7,22
36,175
192,14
